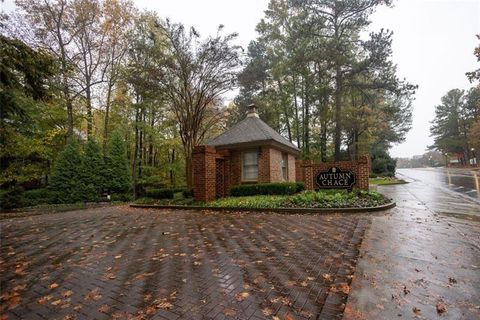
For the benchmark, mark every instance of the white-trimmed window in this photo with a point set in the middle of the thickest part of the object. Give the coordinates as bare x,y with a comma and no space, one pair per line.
250,166
285,166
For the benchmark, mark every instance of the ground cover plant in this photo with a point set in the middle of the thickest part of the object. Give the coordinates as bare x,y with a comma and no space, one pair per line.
307,199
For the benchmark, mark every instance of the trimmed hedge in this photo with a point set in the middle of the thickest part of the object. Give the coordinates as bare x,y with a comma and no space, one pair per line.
284,188
160,193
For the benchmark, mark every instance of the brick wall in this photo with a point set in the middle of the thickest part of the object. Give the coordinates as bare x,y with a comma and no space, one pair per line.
291,168
360,168
264,165
276,166
204,169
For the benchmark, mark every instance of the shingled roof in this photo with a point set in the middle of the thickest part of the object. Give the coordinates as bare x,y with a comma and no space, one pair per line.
252,131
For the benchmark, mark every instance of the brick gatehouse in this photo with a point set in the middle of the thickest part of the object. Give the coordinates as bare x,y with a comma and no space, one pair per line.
252,152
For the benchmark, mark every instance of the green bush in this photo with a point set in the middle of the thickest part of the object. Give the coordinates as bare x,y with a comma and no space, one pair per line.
39,196
117,167
12,198
66,176
124,197
266,189
187,193
300,186
382,163
160,193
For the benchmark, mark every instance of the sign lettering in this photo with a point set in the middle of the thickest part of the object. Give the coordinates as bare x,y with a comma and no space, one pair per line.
335,178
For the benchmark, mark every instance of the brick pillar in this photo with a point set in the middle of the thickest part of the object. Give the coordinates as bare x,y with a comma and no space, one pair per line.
363,172
204,173
299,171
307,167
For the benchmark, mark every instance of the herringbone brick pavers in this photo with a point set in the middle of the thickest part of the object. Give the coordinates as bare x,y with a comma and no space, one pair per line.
124,263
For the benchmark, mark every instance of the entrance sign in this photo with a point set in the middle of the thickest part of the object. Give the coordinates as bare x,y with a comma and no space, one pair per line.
335,178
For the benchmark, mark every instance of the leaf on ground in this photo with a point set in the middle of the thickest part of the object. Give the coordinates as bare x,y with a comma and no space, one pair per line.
67,293
104,308
165,305
53,286
44,299
344,287
144,275
229,312
93,295
327,277
441,308
147,297
242,296
19,287
267,312
57,302
151,310
417,311
13,302
288,316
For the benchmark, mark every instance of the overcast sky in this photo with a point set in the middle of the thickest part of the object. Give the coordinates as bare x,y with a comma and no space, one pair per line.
433,44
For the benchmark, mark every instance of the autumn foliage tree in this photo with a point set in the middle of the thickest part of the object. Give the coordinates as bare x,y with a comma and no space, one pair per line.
195,75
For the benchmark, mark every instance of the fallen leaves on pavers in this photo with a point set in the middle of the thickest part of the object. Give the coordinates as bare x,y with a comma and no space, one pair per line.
144,275
342,287
12,299
20,268
93,295
441,308
229,312
163,303
242,296
327,277
67,293
44,299
104,308
405,290
452,281
53,286
267,312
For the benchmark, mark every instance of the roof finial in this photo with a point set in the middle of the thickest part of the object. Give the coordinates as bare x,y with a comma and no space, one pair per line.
252,111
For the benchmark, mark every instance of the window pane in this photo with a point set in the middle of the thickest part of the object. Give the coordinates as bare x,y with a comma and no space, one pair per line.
250,165
285,166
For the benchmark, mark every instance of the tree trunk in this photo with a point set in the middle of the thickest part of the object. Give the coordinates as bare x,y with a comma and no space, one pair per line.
107,115
307,123
297,120
135,156
89,111
172,172
338,112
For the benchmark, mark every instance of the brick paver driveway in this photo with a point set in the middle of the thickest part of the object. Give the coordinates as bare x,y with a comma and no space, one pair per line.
119,262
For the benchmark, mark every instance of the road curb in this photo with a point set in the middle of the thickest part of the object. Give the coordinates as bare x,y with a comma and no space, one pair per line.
276,210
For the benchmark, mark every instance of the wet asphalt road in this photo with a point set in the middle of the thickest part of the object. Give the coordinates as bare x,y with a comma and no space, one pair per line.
463,181
421,260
